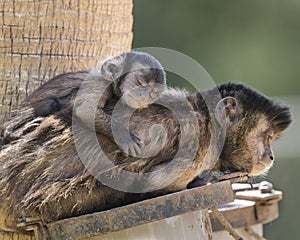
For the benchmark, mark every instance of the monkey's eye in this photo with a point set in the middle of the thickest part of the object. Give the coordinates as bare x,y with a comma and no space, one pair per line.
142,82
270,137
112,68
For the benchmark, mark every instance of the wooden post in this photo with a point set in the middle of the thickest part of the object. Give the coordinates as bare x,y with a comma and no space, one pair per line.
40,39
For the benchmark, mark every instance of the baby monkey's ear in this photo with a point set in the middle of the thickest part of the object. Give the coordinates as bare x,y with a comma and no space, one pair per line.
227,111
112,68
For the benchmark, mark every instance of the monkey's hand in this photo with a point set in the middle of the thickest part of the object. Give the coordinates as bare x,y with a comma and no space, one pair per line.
127,141
134,148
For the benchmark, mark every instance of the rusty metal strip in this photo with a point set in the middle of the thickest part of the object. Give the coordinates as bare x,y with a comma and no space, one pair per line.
226,224
240,213
142,212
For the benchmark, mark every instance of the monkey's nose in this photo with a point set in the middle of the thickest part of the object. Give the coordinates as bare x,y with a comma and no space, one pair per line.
270,154
153,94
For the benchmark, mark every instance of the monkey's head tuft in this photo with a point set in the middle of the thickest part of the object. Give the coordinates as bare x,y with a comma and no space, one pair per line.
253,122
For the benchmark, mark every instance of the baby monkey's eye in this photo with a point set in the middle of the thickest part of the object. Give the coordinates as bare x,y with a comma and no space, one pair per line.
142,82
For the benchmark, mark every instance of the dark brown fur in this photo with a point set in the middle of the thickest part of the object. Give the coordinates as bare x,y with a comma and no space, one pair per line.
42,175
248,142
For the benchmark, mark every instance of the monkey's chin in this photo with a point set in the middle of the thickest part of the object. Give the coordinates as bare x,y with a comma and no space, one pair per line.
261,168
133,103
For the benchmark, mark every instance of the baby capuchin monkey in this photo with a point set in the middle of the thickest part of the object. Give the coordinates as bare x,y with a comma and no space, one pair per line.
136,78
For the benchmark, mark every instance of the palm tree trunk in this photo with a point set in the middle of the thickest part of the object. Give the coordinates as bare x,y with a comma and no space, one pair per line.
42,38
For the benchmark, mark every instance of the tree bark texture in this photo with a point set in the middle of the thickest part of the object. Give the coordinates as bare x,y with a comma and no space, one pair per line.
42,38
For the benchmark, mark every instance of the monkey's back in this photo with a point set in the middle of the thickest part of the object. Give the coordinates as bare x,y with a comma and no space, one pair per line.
42,174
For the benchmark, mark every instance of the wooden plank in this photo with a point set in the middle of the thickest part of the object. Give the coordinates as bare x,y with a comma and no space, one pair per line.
189,226
142,212
256,195
244,213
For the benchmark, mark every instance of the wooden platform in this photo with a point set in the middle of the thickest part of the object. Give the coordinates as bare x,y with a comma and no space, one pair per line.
182,215
143,213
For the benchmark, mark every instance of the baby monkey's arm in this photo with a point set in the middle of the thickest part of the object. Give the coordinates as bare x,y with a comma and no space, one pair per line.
90,111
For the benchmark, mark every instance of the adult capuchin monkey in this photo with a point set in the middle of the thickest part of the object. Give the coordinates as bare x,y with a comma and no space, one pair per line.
42,174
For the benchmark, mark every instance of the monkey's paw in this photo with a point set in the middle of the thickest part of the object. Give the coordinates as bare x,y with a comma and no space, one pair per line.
134,146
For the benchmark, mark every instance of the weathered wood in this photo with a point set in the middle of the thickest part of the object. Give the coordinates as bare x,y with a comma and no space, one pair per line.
189,226
251,208
257,196
40,39
142,212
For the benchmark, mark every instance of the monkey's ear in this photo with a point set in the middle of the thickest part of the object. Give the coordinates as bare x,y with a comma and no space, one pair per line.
227,110
112,68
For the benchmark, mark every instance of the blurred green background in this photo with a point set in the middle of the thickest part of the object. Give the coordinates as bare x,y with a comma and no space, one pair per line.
253,42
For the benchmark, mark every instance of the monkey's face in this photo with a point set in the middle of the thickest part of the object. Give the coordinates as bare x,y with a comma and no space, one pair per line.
141,88
258,146
138,78
251,127
248,146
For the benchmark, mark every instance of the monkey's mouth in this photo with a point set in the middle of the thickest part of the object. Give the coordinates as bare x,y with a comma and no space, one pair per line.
261,167
133,102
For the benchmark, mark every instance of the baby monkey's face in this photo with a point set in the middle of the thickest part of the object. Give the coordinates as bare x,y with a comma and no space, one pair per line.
140,88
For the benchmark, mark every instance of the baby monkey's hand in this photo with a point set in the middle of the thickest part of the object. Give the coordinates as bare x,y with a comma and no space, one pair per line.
127,141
